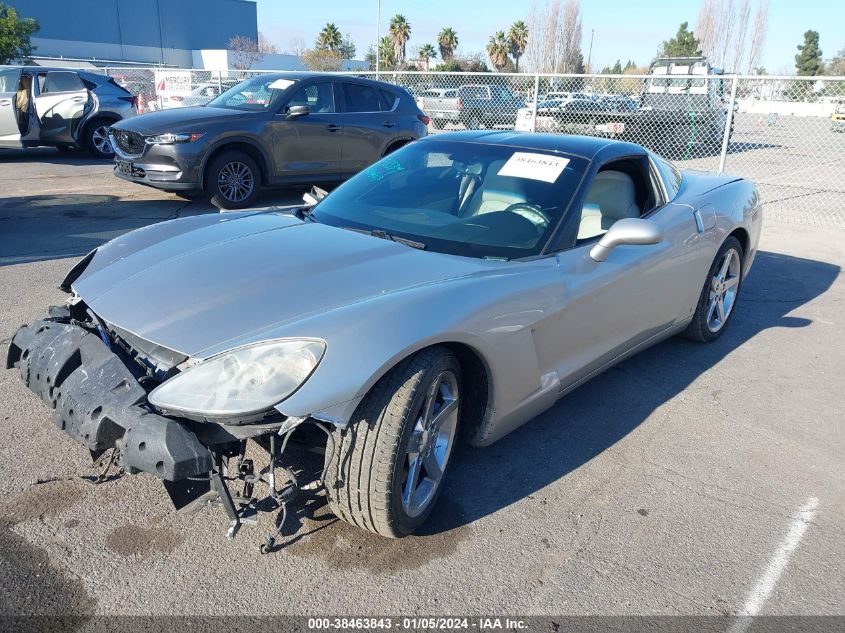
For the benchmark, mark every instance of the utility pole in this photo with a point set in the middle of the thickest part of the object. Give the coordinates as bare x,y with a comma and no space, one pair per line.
590,54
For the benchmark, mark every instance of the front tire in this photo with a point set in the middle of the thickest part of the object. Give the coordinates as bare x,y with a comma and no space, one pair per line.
233,181
388,466
718,297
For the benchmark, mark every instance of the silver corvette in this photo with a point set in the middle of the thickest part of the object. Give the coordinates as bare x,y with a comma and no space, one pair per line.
456,288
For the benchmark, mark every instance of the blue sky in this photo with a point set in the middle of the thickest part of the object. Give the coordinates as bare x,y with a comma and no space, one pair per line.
623,28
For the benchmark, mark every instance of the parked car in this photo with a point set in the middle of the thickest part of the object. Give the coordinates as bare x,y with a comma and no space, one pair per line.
60,107
200,95
574,116
273,129
837,119
456,288
473,106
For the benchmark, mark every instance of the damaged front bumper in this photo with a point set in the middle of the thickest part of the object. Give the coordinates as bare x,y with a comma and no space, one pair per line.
98,401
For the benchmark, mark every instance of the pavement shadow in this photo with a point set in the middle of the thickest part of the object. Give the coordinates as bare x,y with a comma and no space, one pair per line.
51,155
37,228
602,412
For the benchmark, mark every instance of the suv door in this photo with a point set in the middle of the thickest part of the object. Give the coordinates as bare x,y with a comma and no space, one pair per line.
10,134
368,124
309,146
61,102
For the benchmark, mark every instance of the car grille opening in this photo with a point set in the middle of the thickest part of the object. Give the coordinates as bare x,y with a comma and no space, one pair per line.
130,143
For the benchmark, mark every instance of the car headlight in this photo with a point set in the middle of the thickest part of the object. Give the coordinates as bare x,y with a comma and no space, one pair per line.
243,381
170,138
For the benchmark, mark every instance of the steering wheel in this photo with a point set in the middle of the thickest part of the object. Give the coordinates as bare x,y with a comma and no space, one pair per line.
530,212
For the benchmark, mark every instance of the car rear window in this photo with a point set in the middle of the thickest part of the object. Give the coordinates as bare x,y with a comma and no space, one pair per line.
361,98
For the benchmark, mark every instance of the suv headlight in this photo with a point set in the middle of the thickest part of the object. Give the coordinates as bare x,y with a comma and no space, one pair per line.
170,138
243,381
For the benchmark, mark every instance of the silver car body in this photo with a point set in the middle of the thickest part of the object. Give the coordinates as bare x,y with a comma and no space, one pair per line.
540,326
57,117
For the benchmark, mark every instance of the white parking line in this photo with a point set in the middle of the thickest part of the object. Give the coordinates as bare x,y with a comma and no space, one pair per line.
764,587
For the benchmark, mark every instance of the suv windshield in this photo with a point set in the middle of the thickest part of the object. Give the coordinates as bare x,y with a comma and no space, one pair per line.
469,199
253,95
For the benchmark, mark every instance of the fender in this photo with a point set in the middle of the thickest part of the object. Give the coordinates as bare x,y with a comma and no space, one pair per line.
253,142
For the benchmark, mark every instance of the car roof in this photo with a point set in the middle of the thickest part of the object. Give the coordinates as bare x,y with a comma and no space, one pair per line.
587,146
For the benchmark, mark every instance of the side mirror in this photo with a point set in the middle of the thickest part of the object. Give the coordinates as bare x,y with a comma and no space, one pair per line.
626,231
294,112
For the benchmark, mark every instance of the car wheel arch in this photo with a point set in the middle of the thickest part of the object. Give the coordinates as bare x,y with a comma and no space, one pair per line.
100,117
395,144
238,145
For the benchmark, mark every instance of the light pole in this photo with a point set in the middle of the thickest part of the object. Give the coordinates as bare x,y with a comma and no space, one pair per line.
590,54
378,33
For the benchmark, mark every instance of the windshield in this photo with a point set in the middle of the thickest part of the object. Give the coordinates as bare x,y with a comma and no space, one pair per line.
253,95
470,199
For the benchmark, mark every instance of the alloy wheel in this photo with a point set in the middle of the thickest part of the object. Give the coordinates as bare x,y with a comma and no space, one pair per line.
723,290
430,444
100,139
235,181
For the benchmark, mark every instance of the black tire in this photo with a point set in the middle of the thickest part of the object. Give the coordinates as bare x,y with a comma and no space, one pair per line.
366,473
235,162
94,140
393,147
699,328
472,122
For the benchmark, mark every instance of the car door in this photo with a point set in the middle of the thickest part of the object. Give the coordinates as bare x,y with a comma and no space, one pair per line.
10,134
368,125
61,102
637,293
309,146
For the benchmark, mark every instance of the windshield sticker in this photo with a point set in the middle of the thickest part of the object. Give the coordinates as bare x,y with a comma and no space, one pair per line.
384,168
534,166
281,84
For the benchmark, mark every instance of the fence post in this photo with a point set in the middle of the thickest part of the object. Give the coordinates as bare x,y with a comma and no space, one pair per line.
726,137
219,82
536,98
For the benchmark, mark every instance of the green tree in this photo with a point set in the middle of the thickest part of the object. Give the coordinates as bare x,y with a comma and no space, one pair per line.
684,44
497,50
399,33
427,52
347,47
447,40
517,40
808,61
329,38
387,54
15,32
617,68
629,65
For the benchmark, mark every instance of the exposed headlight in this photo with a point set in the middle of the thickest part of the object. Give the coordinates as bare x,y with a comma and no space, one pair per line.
171,138
243,381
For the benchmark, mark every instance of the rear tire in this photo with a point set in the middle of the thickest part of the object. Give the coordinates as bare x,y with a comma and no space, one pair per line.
718,297
95,138
233,181
395,435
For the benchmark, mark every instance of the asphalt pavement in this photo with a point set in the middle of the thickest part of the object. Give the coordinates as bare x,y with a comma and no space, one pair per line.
691,479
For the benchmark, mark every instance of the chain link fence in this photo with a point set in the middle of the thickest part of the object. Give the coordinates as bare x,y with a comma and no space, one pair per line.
787,134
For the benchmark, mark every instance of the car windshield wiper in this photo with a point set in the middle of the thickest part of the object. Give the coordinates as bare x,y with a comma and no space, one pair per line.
381,233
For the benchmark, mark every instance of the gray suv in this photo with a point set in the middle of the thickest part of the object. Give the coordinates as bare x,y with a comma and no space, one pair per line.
273,129
61,108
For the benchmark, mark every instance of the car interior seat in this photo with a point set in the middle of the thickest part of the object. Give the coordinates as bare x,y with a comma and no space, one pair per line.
22,102
496,193
612,196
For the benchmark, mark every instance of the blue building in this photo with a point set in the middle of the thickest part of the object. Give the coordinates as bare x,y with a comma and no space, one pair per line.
149,32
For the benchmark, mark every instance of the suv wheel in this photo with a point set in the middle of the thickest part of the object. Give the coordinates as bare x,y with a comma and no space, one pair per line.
96,139
233,181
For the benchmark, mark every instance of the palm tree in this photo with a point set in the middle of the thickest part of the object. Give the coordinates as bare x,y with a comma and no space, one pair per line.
426,52
399,33
386,52
497,50
330,38
447,40
517,40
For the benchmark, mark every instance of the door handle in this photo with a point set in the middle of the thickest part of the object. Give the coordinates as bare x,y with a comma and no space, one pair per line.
332,127
6,102
388,124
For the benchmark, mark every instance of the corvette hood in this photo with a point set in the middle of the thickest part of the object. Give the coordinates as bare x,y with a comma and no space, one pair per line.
200,282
